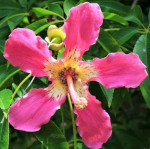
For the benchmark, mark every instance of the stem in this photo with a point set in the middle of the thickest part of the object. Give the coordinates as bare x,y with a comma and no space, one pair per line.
15,15
20,86
9,76
125,49
111,29
73,122
134,3
29,85
62,117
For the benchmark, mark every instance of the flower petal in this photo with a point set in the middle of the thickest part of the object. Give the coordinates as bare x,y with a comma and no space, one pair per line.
33,110
119,69
27,51
93,123
82,27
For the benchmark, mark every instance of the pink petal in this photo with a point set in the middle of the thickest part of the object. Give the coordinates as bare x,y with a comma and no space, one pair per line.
33,110
82,27
27,51
93,123
119,69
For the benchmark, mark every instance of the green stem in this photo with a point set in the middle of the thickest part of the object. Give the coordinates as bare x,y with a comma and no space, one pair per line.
125,49
20,86
63,122
78,140
73,122
9,76
111,29
15,15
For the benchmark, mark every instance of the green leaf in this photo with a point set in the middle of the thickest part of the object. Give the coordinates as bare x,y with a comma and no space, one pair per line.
51,137
2,43
137,12
39,12
115,17
7,74
124,34
108,43
60,53
4,31
118,97
13,15
145,89
37,24
7,6
23,3
14,22
140,49
148,52
135,20
108,94
112,6
67,5
55,8
5,98
40,25
19,93
4,134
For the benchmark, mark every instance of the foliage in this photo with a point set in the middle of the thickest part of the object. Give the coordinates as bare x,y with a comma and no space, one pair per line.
126,28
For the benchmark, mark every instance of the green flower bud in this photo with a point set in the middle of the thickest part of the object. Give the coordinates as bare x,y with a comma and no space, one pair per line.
55,37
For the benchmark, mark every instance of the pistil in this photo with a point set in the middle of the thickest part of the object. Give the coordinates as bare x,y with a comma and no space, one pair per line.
79,102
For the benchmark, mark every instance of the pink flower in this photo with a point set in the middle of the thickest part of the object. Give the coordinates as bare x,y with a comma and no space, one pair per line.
71,74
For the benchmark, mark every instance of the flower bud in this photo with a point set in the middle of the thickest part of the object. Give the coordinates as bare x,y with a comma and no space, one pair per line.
55,37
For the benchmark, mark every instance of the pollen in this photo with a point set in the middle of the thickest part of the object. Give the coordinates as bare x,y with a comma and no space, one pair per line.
68,71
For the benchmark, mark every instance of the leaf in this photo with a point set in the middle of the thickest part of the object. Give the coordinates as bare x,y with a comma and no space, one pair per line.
23,3
19,93
124,34
4,134
115,17
60,53
2,43
7,6
140,49
112,6
148,52
40,25
39,12
108,94
7,74
51,137
55,8
108,43
67,5
145,89
13,15
118,97
135,20
137,12
5,98
14,22
4,31
37,24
